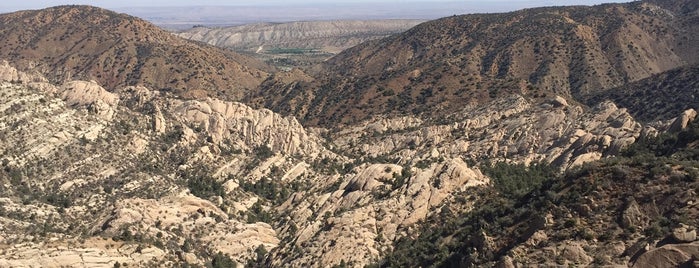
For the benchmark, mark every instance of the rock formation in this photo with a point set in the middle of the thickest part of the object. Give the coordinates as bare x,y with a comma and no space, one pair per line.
326,36
408,152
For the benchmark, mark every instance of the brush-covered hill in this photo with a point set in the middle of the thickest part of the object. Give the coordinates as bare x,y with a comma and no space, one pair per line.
443,65
84,42
658,97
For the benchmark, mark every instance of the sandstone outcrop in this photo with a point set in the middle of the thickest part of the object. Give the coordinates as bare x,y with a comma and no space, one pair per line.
370,208
673,255
90,95
235,121
681,122
162,180
684,234
115,179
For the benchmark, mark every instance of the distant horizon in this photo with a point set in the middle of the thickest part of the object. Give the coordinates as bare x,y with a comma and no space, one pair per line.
177,15
494,5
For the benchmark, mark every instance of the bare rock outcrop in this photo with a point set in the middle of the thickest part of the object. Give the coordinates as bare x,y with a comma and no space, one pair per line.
10,74
370,208
90,95
90,253
574,253
681,121
672,255
150,217
517,130
249,127
684,234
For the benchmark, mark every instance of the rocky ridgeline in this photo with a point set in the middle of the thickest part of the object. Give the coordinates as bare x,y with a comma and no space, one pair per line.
94,177
136,176
511,129
231,121
376,203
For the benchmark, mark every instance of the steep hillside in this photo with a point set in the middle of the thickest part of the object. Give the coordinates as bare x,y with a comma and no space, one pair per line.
446,147
442,65
327,36
638,209
143,178
138,177
658,97
83,42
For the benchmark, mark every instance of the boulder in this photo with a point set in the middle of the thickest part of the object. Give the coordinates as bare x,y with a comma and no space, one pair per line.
681,121
632,215
683,234
574,253
671,255
505,262
559,101
90,95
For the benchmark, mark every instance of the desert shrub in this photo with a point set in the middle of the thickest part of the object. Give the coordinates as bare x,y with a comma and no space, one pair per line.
221,260
516,180
263,152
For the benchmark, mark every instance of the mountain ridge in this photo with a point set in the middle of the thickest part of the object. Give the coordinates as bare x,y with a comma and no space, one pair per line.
117,50
471,59
516,165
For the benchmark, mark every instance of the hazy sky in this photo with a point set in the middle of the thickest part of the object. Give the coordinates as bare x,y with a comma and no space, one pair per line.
12,5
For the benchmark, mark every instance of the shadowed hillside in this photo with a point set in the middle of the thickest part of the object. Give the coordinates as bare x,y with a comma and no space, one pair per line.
658,97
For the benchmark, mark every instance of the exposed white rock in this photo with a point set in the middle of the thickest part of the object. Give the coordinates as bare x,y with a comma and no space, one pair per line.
252,128
381,178
11,74
152,216
681,121
90,95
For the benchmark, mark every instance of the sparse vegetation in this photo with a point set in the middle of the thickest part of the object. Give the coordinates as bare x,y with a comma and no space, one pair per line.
512,211
413,122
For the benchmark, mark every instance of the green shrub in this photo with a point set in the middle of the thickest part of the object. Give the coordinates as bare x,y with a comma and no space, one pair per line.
516,180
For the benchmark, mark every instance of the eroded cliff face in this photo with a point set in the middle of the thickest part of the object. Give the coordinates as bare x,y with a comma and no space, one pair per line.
91,178
327,36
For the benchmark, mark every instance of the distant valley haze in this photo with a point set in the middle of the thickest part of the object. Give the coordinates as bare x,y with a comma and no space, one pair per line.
185,14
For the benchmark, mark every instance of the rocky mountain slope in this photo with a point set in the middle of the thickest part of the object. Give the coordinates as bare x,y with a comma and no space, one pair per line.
638,209
511,174
325,36
473,59
117,50
139,177
92,178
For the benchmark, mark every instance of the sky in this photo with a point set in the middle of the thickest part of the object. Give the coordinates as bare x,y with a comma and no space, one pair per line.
183,14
